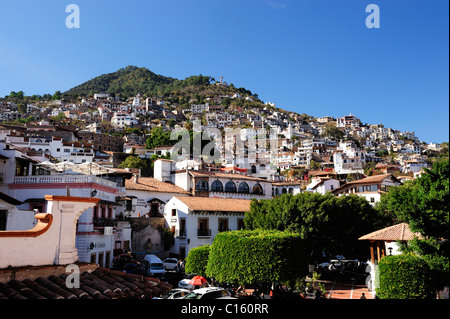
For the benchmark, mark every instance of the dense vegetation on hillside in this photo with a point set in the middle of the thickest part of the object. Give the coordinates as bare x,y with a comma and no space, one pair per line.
128,82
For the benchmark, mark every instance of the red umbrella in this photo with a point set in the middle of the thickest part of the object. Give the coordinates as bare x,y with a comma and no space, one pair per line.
197,281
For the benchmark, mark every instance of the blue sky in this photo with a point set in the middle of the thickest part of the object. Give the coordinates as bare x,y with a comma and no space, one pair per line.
310,56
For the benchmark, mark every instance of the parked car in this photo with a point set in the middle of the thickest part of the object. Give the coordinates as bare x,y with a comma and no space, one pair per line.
120,261
134,268
185,283
177,293
208,293
153,266
170,263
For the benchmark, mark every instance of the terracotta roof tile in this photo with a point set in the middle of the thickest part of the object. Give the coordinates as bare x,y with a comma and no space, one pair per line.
216,204
100,284
151,184
392,233
199,174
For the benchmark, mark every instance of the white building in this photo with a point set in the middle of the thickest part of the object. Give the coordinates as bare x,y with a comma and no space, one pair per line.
413,166
150,195
212,183
323,185
199,108
122,119
197,220
370,188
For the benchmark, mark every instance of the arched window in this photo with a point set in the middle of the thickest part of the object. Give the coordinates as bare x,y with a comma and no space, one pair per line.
216,186
243,188
230,187
201,185
291,190
284,191
257,189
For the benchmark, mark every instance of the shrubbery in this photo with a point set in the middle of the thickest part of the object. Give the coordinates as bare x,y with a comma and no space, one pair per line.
248,257
197,260
405,277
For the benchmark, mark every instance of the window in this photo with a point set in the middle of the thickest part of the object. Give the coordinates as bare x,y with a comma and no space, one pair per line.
243,188
217,186
3,215
372,199
203,227
201,185
174,212
223,224
240,223
257,189
230,187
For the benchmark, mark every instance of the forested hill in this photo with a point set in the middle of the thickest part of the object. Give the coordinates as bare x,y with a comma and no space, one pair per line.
130,81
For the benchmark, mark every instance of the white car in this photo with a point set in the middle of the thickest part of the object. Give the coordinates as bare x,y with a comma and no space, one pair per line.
170,263
185,282
176,293
208,293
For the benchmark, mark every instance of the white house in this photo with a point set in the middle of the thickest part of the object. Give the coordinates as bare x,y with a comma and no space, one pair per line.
122,119
286,187
322,185
213,183
197,220
384,242
370,188
150,195
51,241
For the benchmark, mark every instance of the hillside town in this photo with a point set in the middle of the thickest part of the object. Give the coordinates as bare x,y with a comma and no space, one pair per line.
54,152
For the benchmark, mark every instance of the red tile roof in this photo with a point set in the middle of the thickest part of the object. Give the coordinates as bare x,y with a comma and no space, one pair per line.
101,284
392,233
216,204
151,184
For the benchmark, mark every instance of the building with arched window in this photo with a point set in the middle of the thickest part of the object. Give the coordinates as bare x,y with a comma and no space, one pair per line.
243,188
230,187
217,186
201,185
214,183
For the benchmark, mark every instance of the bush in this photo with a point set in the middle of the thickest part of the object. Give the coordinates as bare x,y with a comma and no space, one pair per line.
404,277
197,260
248,257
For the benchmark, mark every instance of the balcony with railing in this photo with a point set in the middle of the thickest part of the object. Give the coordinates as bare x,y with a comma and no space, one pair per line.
181,233
204,233
56,179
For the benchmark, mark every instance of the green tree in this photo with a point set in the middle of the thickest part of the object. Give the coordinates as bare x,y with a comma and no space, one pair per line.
332,131
197,260
134,162
326,223
248,257
424,205
404,277
158,137
22,107
57,95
